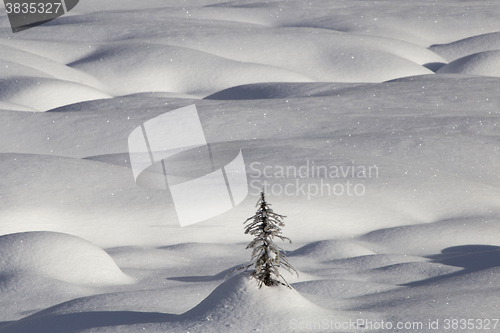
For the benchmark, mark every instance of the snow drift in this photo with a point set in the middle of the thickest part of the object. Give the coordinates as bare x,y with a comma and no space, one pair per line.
239,305
42,94
291,82
468,46
141,67
483,63
329,249
58,256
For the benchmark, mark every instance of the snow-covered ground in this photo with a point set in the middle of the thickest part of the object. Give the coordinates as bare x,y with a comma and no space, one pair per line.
391,109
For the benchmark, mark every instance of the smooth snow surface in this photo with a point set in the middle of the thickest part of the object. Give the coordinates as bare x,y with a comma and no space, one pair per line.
483,63
58,256
468,46
374,126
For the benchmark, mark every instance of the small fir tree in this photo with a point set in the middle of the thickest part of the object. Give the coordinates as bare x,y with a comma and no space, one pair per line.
267,257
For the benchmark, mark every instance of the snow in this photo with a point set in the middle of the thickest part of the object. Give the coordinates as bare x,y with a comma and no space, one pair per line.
332,249
236,303
58,256
42,94
464,47
316,55
430,238
411,88
39,269
177,70
482,63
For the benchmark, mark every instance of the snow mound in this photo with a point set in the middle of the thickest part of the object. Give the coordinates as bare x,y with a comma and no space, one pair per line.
432,238
43,94
332,249
36,65
468,46
483,63
321,55
58,256
138,67
238,303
